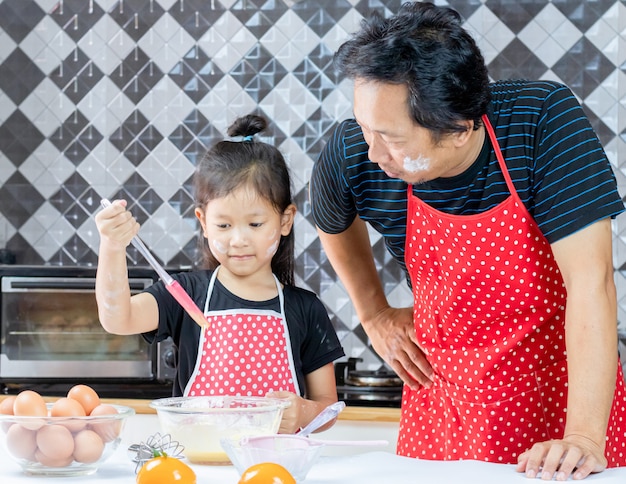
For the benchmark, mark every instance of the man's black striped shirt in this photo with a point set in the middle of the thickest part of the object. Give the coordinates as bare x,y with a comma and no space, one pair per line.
555,160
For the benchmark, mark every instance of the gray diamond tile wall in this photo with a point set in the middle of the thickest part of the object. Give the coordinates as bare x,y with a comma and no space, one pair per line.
119,98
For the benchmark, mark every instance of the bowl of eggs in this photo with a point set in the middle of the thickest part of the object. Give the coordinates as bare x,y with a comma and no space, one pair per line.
199,423
70,436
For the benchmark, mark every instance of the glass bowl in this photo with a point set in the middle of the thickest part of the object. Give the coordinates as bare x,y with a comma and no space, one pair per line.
62,446
296,454
199,423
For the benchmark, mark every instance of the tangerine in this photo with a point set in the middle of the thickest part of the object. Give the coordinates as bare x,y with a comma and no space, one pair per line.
163,469
266,473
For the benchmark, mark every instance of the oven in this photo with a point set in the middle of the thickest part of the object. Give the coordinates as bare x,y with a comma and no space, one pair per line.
51,337
371,388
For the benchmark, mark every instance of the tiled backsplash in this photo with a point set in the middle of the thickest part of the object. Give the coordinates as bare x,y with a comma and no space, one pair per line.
118,98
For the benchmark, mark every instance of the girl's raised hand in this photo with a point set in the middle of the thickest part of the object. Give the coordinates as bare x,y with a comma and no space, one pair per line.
116,225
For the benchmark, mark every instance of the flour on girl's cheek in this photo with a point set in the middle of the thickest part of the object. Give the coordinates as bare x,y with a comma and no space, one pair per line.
271,250
418,164
219,246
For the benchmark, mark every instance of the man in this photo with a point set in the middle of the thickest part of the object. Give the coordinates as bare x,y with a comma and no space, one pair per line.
497,200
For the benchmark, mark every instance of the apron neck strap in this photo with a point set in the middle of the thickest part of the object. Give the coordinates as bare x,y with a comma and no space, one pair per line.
281,297
498,151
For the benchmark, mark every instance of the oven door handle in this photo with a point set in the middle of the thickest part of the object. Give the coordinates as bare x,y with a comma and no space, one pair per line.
67,284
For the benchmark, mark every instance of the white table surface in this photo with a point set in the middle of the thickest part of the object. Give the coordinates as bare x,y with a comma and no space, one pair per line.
366,468
362,465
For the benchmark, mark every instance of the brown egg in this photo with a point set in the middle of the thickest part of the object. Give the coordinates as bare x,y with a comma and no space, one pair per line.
67,407
31,404
50,462
88,446
21,442
6,406
86,395
55,441
108,430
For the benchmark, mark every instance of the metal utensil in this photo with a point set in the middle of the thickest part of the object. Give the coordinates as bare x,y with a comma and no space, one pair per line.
323,417
172,286
144,451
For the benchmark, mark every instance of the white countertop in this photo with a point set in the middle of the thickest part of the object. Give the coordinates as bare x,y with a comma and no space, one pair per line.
366,468
360,466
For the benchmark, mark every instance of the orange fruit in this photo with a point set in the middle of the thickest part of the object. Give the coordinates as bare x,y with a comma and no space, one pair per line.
266,473
166,470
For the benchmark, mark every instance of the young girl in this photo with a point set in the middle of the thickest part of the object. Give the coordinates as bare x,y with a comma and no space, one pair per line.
264,337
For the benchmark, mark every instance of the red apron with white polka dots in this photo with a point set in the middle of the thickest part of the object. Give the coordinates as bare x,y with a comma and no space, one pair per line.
489,312
243,353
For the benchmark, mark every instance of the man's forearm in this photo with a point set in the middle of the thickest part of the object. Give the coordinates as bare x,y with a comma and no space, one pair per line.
592,365
350,254
585,262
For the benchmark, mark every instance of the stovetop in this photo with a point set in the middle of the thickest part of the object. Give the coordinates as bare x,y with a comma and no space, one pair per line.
365,388
369,397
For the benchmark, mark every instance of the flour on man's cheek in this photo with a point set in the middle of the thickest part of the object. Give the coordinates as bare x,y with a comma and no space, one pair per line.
417,164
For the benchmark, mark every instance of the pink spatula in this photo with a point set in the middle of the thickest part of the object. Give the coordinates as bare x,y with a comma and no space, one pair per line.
173,286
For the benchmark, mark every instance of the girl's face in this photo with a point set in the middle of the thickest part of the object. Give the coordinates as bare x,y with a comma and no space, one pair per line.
244,230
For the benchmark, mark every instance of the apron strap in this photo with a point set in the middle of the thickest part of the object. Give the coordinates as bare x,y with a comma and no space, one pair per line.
496,147
281,297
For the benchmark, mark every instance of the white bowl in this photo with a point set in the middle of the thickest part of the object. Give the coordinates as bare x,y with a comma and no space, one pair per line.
90,441
296,454
199,423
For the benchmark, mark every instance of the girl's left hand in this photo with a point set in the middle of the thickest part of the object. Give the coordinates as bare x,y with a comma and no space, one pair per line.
574,455
292,414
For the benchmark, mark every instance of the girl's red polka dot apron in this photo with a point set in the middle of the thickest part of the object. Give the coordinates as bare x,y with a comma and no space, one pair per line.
489,312
243,352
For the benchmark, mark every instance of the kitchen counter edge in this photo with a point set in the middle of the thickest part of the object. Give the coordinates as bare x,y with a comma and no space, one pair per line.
369,414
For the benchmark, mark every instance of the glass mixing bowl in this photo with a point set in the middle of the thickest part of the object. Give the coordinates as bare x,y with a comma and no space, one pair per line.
62,446
199,423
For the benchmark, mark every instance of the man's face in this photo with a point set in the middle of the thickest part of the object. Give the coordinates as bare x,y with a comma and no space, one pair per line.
402,148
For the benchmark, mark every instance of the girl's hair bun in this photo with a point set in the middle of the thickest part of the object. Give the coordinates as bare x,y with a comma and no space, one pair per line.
248,125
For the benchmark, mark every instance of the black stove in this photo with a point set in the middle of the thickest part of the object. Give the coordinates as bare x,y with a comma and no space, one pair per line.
367,388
